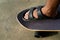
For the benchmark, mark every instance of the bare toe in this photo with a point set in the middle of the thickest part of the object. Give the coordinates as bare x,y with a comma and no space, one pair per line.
26,15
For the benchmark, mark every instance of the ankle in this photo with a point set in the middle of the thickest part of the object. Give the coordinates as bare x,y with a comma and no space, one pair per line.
45,11
48,11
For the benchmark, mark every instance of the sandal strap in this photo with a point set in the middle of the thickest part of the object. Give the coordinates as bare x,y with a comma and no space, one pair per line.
30,17
40,15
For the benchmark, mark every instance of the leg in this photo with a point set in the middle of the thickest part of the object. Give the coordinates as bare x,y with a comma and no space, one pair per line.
49,9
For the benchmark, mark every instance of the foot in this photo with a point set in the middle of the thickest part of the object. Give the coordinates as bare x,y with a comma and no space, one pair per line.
45,11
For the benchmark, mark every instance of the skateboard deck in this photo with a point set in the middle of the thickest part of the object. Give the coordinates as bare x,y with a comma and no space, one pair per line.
38,25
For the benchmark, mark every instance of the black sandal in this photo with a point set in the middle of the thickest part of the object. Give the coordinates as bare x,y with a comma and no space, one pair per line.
42,23
40,14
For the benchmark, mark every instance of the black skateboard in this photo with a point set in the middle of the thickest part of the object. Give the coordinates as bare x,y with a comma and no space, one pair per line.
40,25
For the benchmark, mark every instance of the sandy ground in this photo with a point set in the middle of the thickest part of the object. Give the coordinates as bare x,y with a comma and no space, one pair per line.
10,29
